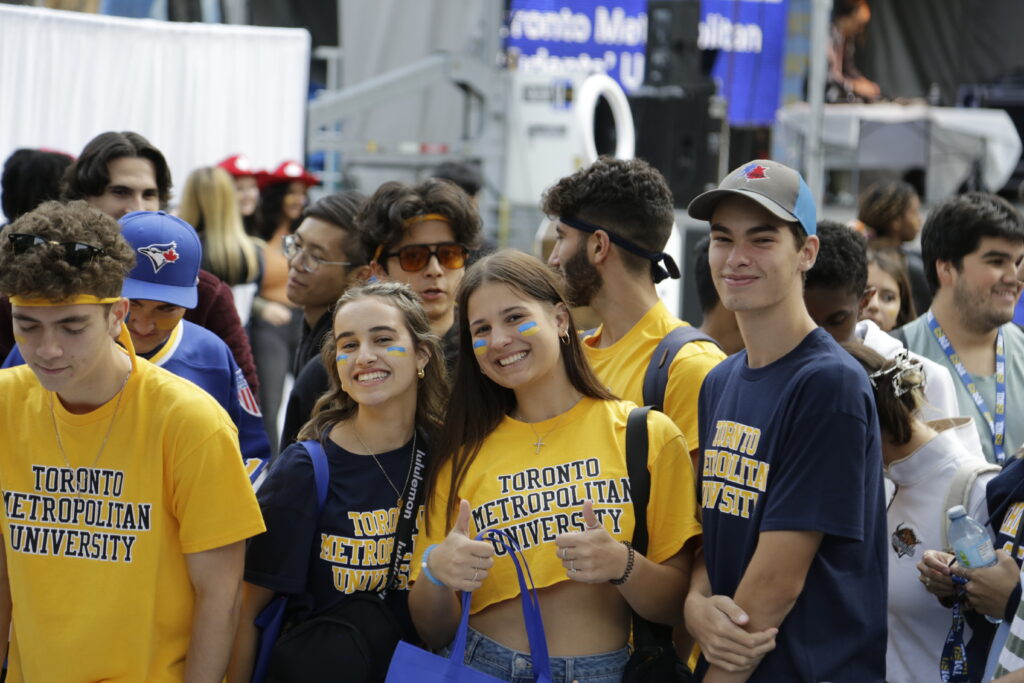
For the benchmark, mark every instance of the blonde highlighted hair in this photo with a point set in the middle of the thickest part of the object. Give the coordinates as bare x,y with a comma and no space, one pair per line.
210,205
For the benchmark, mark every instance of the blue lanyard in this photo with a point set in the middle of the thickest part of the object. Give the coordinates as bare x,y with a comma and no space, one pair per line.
996,425
953,665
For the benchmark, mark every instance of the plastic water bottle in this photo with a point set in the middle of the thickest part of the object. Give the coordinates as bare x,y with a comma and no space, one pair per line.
971,543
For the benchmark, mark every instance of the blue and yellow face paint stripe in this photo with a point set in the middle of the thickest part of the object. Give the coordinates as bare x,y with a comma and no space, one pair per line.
341,359
480,347
529,329
396,351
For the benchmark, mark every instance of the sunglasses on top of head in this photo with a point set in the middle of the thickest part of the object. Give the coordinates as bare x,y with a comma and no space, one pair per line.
414,257
76,254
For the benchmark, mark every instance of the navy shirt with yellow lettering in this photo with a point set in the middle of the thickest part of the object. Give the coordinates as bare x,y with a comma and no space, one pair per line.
347,548
794,446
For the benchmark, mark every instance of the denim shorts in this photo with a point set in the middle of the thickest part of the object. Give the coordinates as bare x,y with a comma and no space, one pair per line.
490,657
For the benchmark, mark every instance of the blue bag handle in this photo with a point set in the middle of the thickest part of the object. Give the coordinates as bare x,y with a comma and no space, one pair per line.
271,617
530,603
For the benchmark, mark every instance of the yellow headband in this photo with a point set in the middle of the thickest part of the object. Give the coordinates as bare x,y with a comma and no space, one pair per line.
78,299
412,220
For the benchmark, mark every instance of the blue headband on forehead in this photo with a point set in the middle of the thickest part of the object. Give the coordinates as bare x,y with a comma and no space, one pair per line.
658,272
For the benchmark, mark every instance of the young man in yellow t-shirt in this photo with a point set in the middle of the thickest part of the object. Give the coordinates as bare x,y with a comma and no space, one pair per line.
614,219
125,501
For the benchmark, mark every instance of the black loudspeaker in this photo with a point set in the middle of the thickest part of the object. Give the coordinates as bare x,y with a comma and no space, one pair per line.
673,58
677,136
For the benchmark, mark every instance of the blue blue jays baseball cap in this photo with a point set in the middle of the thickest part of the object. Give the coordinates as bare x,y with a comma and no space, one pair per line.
776,187
167,258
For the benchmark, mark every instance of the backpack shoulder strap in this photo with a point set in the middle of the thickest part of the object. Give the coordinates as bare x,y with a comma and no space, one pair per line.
959,492
656,377
639,475
321,470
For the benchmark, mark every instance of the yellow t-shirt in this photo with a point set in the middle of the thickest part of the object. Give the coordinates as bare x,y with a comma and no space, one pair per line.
621,367
538,496
99,584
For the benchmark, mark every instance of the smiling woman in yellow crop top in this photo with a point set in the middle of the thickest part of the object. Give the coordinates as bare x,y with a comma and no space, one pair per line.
534,445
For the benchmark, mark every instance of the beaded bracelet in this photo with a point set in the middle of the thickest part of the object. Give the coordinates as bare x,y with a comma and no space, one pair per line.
629,566
426,569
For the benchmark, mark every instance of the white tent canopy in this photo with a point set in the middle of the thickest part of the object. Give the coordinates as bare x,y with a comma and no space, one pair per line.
199,92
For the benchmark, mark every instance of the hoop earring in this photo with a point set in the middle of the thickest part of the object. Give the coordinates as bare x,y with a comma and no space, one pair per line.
421,373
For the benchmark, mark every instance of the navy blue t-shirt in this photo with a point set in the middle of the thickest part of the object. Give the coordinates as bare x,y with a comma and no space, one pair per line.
348,548
794,446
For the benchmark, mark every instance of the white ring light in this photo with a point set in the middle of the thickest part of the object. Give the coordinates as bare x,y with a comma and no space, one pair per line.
589,91
584,107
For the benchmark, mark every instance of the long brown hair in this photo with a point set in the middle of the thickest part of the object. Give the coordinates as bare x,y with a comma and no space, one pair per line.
896,414
337,406
478,404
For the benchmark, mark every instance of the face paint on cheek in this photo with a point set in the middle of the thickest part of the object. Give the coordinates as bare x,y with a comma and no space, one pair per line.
341,360
396,351
18,339
168,323
528,329
480,347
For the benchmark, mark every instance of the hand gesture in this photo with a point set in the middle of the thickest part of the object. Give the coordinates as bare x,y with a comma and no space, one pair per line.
458,561
934,574
989,588
716,623
591,556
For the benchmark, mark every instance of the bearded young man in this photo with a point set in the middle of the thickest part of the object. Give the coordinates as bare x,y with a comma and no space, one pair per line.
614,219
973,247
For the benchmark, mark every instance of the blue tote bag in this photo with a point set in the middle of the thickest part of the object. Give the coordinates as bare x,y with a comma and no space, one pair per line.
410,663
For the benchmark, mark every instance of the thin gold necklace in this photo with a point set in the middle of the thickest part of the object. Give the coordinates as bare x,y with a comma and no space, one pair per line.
106,437
374,456
540,437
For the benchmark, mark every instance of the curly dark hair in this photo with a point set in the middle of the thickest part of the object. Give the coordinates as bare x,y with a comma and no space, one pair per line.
842,260
954,229
382,218
42,272
88,176
629,198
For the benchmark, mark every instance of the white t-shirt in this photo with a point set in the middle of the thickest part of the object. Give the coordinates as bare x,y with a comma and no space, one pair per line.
918,624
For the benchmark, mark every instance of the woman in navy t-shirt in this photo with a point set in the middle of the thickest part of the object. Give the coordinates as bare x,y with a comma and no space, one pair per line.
386,387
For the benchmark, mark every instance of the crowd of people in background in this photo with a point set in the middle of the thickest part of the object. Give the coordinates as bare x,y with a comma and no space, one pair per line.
244,402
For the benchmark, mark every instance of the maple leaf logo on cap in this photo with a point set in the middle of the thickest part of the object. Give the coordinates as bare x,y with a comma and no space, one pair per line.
755,172
160,255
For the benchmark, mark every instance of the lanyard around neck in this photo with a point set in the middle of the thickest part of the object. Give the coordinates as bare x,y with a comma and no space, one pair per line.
997,422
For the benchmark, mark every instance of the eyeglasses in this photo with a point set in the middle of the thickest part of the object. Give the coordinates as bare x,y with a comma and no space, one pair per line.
76,254
309,262
415,257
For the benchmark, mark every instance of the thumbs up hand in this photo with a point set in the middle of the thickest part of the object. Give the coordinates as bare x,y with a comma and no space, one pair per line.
592,555
459,562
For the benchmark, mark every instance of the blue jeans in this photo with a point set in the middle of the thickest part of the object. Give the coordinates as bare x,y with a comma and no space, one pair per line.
490,657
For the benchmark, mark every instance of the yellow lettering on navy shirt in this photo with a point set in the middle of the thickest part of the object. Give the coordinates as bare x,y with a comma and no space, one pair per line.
733,479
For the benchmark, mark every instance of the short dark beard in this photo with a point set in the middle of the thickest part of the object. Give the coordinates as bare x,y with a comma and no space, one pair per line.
974,315
582,279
